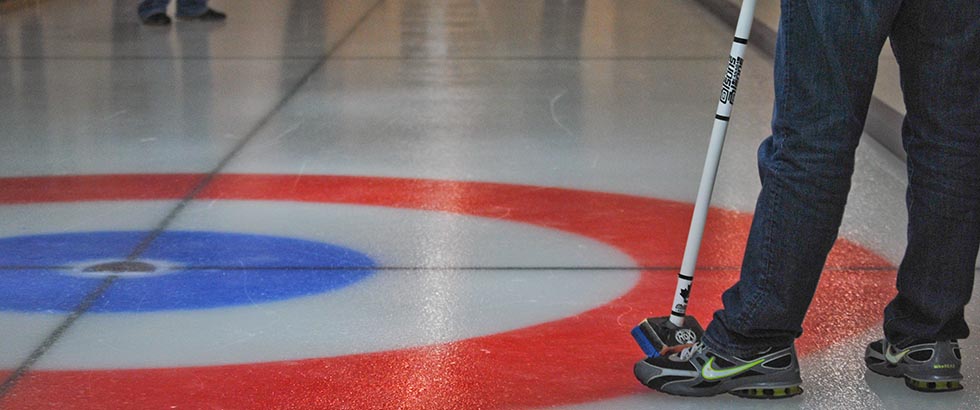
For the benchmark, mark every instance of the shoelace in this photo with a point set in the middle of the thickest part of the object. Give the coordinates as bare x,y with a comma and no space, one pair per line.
688,353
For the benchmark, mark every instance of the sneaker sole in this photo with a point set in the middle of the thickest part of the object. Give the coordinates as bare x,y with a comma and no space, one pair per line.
932,386
928,386
768,393
760,391
878,365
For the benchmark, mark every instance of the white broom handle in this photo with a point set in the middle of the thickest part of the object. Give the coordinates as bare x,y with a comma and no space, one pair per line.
722,116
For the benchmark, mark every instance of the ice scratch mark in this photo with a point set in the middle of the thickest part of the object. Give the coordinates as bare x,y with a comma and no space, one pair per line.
504,212
115,115
98,122
245,289
106,344
278,138
287,132
242,340
302,171
619,320
554,115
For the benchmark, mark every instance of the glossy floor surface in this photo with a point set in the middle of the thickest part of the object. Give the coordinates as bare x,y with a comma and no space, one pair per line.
392,204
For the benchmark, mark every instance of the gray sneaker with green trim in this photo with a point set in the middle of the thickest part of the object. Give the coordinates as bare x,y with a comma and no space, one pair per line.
700,371
926,365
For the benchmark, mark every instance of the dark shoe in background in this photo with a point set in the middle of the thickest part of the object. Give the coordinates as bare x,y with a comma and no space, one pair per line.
211,15
159,19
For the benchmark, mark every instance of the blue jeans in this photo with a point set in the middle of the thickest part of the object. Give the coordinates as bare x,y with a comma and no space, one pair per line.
187,8
825,66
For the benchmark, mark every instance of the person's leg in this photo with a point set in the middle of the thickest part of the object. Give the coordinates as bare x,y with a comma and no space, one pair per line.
826,62
148,8
191,8
937,44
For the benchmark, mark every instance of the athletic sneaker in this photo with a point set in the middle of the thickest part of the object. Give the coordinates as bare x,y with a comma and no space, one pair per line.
927,365
700,371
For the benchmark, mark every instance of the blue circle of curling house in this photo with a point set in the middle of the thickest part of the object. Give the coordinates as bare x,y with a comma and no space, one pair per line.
41,273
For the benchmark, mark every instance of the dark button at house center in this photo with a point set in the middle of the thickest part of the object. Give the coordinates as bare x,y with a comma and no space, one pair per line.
121,267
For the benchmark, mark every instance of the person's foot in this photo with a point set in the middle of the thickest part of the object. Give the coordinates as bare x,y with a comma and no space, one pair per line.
926,365
700,371
159,19
210,15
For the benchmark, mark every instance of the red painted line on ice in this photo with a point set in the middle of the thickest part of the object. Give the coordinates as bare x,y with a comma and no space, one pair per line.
577,359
